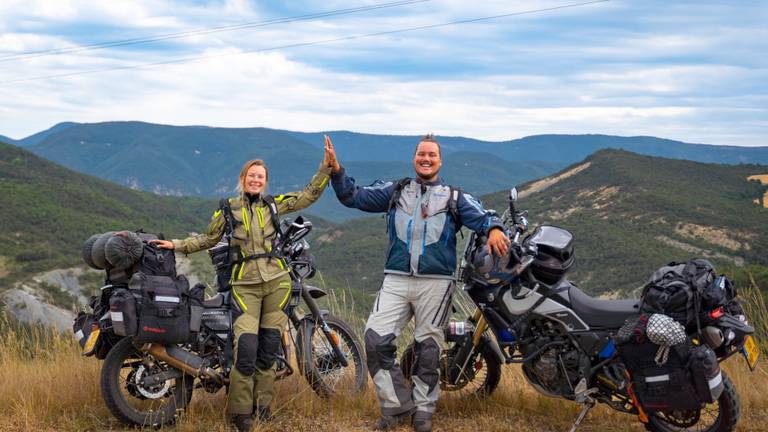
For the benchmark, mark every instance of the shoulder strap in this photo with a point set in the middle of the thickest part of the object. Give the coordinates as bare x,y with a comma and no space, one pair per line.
269,200
396,196
398,190
229,220
453,202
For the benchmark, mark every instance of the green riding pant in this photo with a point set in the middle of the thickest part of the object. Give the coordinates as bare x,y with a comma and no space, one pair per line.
258,334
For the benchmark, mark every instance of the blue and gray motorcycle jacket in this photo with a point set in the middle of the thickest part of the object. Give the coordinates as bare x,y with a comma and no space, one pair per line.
422,231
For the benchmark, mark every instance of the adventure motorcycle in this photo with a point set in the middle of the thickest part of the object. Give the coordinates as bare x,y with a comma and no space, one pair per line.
565,340
146,384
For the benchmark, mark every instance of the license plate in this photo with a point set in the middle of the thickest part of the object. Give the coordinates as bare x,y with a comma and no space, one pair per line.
751,352
90,344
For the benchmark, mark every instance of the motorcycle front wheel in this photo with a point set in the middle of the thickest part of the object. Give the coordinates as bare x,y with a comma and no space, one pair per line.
130,400
320,365
720,416
481,376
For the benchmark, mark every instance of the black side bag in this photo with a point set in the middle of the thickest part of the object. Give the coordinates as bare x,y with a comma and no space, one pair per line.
706,374
164,309
657,388
122,310
660,388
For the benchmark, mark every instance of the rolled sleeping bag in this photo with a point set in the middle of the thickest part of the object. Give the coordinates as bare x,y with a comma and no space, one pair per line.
123,250
97,252
86,251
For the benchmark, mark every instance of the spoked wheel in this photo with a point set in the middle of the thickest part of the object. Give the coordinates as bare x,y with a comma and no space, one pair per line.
320,365
480,378
129,396
720,416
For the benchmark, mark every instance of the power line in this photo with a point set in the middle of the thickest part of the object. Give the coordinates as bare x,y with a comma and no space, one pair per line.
203,31
304,44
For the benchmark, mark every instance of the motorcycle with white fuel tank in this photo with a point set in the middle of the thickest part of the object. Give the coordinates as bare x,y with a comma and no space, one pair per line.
527,313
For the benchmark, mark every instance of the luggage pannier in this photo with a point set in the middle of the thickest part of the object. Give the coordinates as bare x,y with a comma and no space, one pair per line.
122,311
657,388
705,370
555,254
164,309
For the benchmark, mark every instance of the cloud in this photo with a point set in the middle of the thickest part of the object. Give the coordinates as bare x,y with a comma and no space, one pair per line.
615,68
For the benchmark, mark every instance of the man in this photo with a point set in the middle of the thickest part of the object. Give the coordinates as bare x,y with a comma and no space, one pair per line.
424,214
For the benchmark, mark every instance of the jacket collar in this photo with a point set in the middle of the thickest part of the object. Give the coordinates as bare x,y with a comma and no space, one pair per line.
252,198
438,181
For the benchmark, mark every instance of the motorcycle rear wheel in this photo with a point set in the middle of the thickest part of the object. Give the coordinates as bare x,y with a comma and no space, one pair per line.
137,405
720,416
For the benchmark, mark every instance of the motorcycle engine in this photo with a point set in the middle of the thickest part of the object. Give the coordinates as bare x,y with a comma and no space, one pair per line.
557,370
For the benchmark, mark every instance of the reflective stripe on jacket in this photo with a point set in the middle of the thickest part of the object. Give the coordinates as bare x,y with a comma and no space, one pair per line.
254,230
422,233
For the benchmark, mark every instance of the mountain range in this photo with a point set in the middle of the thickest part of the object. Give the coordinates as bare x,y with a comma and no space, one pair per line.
204,161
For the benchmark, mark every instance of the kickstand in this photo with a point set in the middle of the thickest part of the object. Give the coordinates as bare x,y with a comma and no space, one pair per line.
586,406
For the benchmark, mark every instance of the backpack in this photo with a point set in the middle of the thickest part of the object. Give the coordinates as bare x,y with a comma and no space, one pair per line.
675,290
453,200
225,256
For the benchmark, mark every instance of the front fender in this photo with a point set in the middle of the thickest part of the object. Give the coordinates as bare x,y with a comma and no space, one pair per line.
315,292
486,340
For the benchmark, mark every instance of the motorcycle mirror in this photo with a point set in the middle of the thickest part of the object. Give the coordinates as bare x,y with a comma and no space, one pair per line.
513,194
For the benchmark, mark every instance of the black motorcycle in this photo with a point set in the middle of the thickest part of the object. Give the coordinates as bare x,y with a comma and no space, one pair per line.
565,340
148,384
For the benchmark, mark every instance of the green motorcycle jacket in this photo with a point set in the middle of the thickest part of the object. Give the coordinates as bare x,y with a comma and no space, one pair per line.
254,230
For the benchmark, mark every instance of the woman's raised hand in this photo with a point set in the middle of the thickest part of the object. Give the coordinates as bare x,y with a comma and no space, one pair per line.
329,158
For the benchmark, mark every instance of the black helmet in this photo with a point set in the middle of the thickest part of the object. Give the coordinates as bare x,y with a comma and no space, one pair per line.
489,268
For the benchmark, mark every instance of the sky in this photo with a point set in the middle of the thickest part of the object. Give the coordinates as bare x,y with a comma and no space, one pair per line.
695,71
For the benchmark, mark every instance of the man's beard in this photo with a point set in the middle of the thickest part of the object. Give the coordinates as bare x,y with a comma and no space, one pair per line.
425,178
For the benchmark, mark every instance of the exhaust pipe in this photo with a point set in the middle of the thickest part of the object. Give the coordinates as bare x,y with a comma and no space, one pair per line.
183,360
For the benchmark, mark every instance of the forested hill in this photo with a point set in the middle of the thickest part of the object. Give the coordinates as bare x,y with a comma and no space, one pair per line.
48,211
629,213
205,161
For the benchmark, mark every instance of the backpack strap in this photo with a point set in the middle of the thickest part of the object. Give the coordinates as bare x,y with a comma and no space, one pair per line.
453,202
396,196
397,192
269,200
229,220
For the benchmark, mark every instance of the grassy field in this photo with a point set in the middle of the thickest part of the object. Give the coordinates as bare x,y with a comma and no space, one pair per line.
46,385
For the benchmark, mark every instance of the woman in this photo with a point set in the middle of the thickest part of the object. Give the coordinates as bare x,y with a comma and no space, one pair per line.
260,285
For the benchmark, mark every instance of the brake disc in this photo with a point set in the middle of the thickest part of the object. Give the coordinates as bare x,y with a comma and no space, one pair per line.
150,391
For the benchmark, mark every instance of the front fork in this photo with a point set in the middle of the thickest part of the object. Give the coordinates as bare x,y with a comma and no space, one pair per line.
467,347
329,334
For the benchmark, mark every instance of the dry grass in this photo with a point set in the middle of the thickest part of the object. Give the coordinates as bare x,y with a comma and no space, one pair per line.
45,385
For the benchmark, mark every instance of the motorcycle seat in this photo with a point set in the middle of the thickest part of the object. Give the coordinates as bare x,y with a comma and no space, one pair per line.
214,302
602,313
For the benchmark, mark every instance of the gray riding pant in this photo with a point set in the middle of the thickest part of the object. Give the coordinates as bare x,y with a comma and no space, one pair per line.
400,298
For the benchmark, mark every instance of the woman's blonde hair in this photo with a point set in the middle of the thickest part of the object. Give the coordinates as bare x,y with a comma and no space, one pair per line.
244,172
